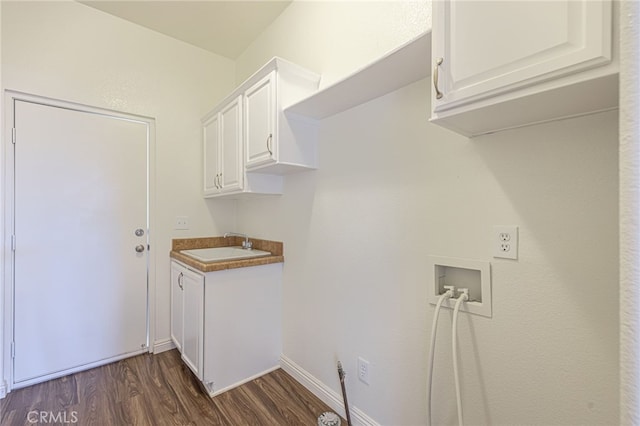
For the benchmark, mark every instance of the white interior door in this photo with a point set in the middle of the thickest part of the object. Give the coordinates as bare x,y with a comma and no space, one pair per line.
80,286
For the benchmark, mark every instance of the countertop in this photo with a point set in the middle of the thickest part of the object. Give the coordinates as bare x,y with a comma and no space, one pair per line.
275,247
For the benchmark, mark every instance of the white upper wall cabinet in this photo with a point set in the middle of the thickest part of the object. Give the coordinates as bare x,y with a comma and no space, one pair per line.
501,64
211,136
231,176
249,142
260,122
223,149
224,171
276,143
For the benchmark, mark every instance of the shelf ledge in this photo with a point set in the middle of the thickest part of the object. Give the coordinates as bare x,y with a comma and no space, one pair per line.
403,65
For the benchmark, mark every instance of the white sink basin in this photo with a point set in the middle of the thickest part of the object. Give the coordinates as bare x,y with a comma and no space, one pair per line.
217,254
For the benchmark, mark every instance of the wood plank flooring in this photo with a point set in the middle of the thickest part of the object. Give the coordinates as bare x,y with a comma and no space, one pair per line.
158,390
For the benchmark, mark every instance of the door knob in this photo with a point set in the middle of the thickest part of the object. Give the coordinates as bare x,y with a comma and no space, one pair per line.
139,248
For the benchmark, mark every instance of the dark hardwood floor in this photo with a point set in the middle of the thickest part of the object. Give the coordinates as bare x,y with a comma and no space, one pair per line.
158,390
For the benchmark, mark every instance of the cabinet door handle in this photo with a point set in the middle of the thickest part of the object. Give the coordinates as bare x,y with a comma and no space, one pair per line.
180,281
220,181
435,78
269,139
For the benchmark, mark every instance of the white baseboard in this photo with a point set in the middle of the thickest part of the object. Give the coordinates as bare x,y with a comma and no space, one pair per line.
3,389
163,345
326,394
242,382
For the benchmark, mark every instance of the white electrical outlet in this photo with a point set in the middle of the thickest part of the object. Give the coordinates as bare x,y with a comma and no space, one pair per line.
505,242
363,370
182,223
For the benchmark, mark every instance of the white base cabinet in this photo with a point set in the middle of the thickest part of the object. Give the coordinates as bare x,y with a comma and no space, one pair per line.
227,324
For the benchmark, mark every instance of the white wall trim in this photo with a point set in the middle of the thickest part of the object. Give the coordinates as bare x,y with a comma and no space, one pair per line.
85,367
629,234
163,346
213,393
3,382
7,256
326,394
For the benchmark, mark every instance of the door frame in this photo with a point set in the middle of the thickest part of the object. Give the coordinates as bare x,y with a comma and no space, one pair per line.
7,188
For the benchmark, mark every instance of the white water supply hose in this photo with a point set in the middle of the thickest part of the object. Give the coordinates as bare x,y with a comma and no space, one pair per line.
434,328
454,337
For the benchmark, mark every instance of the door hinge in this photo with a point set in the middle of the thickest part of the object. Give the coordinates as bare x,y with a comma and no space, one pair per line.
13,135
13,350
13,243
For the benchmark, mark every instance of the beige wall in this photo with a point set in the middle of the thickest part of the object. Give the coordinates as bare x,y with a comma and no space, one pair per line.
69,51
390,190
335,38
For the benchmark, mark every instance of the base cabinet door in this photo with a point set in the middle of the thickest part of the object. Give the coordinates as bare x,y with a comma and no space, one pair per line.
193,285
177,277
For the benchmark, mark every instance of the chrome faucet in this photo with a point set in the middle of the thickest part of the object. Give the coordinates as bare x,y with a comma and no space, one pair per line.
246,244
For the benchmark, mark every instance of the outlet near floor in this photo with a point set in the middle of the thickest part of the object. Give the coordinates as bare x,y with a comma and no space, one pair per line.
363,370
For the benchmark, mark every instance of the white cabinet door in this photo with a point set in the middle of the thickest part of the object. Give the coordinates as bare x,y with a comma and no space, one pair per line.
231,167
492,47
177,278
223,162
193,318
260,122
211,135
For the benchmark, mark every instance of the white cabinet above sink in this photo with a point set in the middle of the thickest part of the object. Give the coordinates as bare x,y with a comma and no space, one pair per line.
248,140
275,143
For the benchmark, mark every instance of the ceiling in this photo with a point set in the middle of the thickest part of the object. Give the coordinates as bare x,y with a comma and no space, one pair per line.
224,27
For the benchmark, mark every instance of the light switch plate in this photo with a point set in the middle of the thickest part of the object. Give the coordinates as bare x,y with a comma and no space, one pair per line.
182,223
